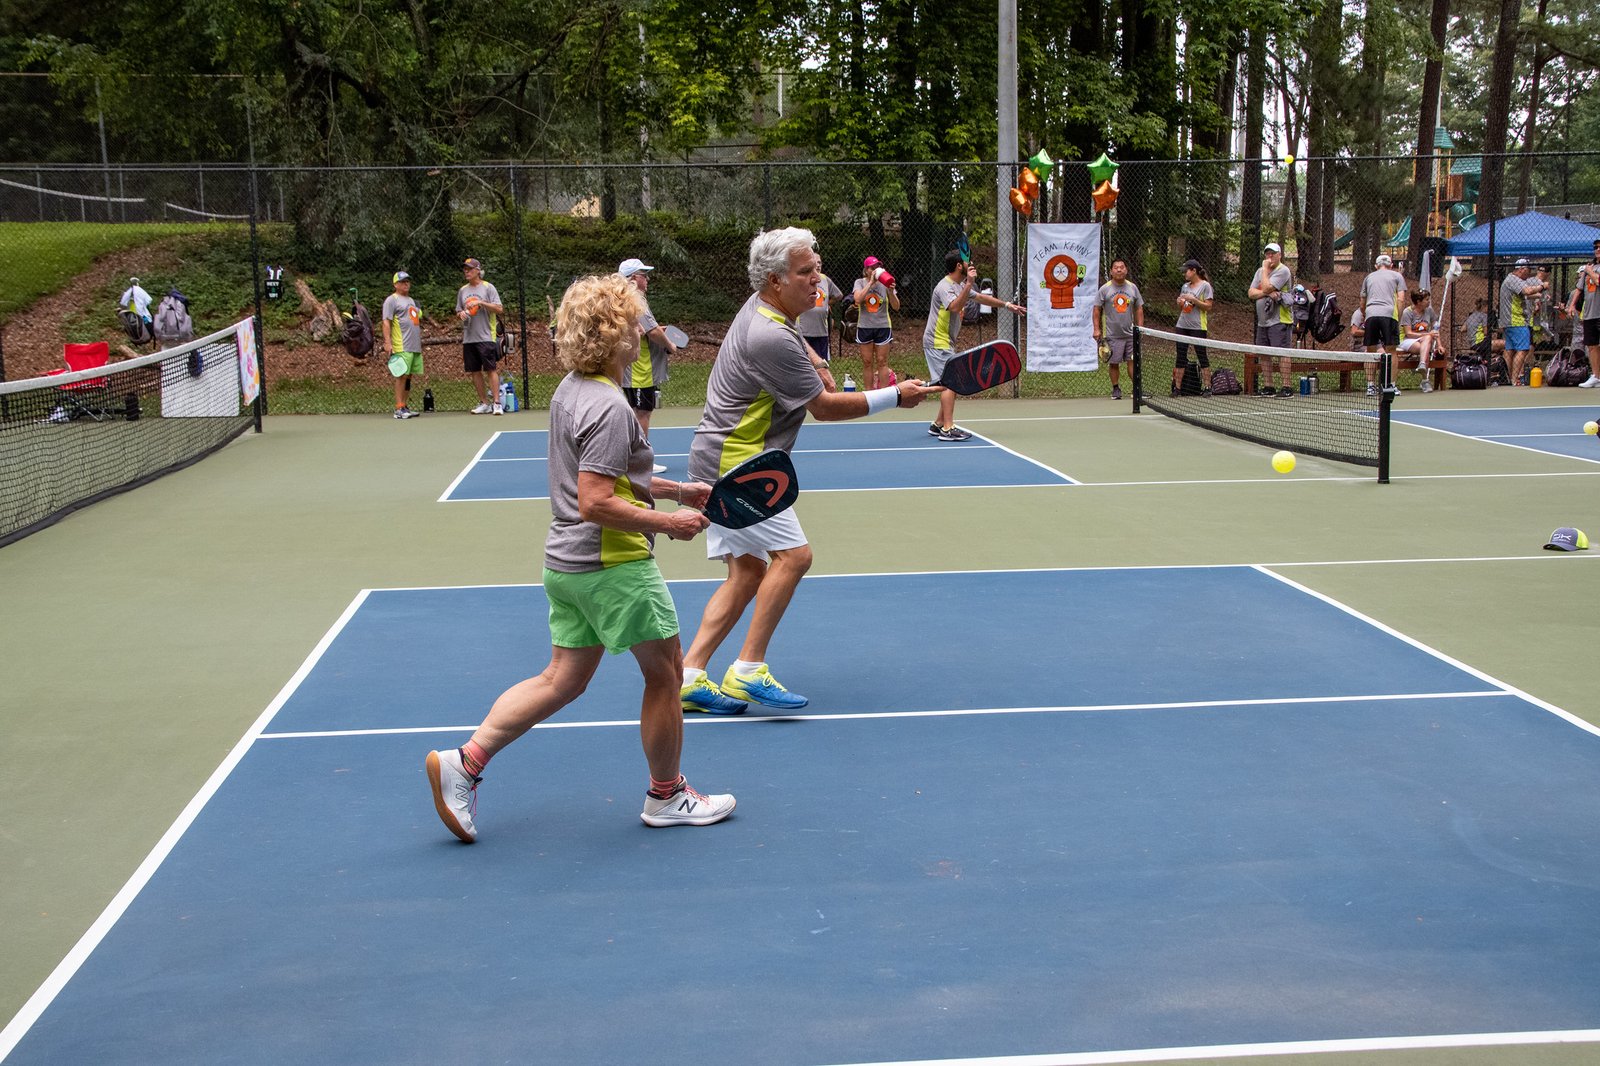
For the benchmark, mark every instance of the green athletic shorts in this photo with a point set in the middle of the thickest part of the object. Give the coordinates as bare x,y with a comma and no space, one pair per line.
619,607
413,362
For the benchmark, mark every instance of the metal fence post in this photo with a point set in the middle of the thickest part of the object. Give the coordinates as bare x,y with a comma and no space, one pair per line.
255,275
521,268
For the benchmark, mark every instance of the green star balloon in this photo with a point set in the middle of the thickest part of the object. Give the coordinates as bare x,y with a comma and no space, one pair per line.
1041,164
1103,168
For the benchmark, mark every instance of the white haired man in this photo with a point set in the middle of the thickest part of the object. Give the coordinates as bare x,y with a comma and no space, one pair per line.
762,385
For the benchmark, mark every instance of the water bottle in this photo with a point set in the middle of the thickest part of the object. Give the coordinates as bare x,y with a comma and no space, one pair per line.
427,399
849,383
508,395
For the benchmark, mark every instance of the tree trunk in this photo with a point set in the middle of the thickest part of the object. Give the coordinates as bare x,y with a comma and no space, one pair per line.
1502,69
1255,88
1366,173
1525,182
1427,120
1323,53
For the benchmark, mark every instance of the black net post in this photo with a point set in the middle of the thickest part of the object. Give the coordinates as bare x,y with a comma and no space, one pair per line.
260,405
522,286
1385,402
1138,368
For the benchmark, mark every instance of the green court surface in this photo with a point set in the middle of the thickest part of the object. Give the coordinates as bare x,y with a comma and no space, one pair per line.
144,635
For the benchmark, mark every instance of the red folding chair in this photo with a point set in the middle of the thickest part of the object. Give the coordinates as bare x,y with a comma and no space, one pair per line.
87,397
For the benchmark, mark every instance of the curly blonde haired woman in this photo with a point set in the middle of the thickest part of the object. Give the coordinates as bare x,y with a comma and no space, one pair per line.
600,576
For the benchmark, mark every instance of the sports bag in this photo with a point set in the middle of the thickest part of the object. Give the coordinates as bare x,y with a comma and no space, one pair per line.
1225,382
357,331
1569,367
1468,372
172,324
137,329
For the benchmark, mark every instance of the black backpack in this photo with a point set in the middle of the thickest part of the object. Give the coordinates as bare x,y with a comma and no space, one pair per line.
1468,372
137,329
1327,321
357,330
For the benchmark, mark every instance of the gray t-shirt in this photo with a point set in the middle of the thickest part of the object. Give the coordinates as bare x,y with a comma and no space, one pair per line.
943,327
873,300
1513,305
1116,303
757,394
1476,326
484,325
1589,291
1411,322
1271,310
403,320
592,429
814,322
1195,317
1382,292
649,368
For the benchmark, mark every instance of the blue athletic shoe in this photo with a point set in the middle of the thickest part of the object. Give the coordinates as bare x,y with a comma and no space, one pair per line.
761,687
704,697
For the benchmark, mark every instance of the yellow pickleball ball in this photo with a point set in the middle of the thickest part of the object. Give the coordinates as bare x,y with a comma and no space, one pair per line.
1283,462
1591,427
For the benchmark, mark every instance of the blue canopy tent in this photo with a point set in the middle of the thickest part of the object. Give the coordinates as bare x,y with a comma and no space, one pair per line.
1529,234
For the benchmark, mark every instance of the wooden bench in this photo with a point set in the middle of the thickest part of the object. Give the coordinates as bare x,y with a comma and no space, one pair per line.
1438,368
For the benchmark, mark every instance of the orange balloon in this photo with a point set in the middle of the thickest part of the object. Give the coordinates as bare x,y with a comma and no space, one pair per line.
1104,196
1021,202
1029,184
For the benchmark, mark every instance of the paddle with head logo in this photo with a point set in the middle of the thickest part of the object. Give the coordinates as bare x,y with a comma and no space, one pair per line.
754,491
978,369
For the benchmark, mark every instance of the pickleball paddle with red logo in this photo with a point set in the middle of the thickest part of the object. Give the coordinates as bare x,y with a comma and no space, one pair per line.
754,491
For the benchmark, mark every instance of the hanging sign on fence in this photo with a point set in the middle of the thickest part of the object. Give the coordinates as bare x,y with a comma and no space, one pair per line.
1063,277
249,365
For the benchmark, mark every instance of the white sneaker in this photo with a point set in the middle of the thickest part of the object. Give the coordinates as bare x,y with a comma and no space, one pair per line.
658,468
1592,383
499,409
686,807
455,795
1372,390
1427,386
482,409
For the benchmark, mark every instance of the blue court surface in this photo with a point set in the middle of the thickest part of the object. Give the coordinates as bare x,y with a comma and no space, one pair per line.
1112,809
1556,430
827,456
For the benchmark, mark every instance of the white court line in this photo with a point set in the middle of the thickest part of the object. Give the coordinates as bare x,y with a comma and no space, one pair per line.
1549,557
468,468
955,712
1437,654
1521,436
796,451
1285,480
1486,440
1026,458
64,971
1287,1047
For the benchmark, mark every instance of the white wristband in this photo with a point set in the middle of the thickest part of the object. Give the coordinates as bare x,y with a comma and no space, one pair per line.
881,400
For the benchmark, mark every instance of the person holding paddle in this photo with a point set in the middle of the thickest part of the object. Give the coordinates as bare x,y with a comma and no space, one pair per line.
648,372
762,385
600,575
949,297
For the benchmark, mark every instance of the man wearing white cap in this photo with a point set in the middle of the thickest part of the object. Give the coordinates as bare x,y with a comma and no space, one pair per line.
1381,294
648,372
1274,319
1515,318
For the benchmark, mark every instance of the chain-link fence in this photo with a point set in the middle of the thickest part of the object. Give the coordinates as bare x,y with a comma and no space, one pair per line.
309,243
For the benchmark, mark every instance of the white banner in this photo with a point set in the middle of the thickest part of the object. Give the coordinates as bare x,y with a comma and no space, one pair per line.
1063,278
249,366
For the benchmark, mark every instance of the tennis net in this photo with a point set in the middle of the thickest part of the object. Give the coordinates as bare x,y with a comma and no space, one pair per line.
1321,406
70,439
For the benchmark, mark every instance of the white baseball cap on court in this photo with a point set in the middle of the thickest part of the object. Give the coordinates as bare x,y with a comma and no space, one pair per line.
1274,247
629,267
